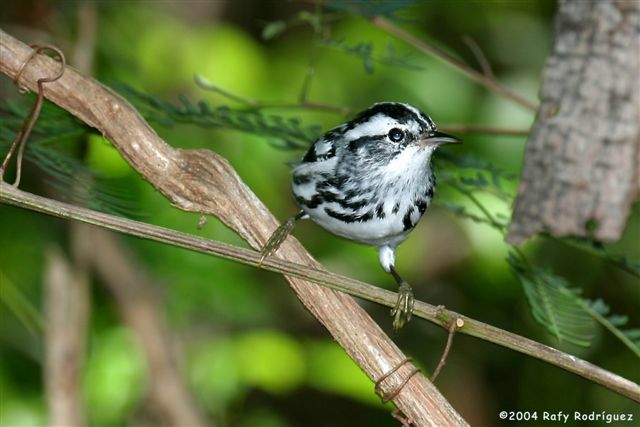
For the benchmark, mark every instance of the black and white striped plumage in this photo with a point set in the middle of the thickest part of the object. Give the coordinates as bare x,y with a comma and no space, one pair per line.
370,180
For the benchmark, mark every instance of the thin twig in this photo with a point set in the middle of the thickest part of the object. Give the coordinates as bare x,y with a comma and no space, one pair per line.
23,134
310,70
456,324
254,104
588,248
485,66
610,327
437,315
205,84
488,82
378,386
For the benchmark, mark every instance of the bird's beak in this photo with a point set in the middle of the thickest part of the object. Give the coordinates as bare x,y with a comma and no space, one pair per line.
437,138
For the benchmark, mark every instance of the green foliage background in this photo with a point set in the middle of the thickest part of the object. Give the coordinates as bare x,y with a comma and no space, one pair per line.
252,355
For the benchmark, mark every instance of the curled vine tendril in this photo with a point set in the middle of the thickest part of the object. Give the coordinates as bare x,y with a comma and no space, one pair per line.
30,120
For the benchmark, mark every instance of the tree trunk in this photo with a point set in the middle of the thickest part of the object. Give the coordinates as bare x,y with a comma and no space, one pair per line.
582,163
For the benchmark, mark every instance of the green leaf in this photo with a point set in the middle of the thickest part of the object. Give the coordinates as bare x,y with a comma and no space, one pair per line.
554,304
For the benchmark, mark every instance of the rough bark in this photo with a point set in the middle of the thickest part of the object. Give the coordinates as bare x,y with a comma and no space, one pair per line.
582,162
202,181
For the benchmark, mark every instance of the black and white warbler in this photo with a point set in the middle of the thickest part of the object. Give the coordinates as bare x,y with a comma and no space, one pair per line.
370,180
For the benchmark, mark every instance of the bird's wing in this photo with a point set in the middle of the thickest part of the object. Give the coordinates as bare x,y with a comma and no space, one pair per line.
322,150
325,148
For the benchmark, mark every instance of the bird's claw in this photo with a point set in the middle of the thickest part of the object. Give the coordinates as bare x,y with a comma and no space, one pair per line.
404,306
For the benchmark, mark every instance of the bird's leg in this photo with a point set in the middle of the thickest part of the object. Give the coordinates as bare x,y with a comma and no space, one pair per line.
404,306
279,236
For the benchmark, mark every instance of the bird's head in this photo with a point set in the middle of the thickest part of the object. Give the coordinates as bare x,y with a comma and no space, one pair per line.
394,126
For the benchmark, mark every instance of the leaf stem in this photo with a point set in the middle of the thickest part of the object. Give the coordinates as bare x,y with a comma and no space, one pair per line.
615,331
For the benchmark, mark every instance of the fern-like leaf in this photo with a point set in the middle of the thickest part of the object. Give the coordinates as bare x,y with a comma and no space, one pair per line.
282,132
51,148
555,305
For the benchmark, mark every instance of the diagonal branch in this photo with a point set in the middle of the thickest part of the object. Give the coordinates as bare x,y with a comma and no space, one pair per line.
437,315
485,80
202,181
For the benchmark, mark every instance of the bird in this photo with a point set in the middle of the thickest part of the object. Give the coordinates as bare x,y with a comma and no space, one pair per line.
369,180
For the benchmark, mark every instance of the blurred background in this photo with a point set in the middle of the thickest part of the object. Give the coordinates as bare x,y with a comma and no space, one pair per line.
248,353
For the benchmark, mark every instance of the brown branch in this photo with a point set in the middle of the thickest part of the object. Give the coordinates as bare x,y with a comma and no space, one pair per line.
437,315
202,181
66,313
486,81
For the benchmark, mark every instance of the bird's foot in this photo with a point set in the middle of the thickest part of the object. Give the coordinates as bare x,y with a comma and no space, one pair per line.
404,306
276,239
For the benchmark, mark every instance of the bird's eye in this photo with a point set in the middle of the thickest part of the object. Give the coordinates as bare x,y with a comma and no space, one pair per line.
396,135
